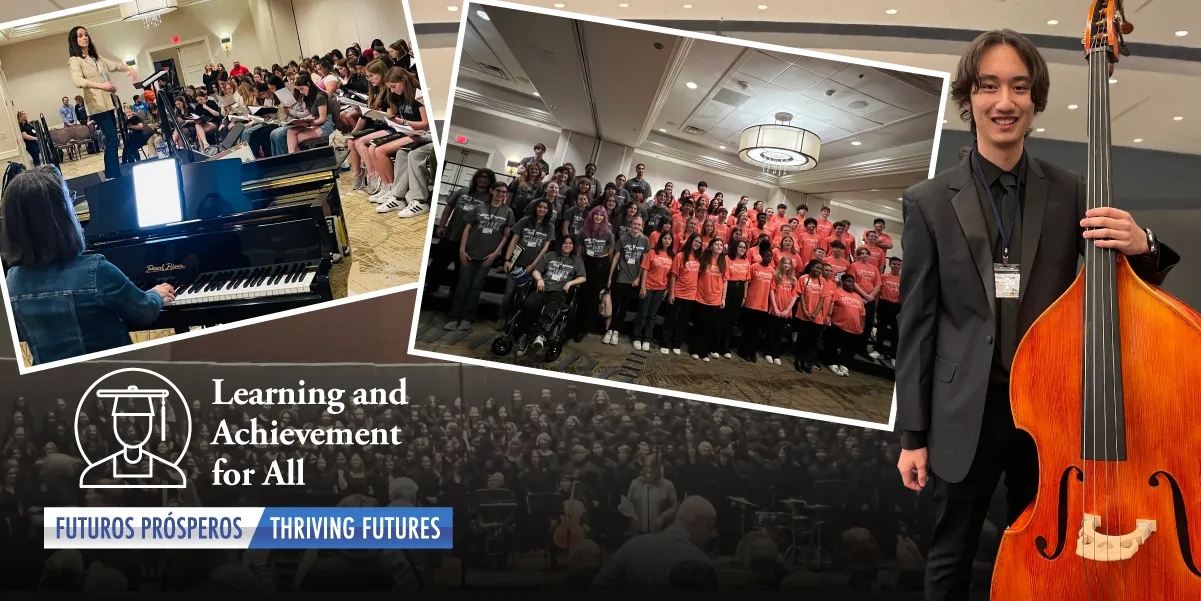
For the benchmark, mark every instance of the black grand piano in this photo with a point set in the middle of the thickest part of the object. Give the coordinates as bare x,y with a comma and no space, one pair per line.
255,238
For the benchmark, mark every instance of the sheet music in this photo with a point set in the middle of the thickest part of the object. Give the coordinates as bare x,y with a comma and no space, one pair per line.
228,100
285,97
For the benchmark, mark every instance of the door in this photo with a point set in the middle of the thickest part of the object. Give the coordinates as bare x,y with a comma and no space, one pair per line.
11,134
461,163
192,59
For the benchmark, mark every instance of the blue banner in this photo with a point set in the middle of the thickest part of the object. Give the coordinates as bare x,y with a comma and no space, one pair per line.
354,528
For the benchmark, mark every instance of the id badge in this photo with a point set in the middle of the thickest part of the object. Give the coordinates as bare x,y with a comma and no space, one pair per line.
486,230
631,260
1008,280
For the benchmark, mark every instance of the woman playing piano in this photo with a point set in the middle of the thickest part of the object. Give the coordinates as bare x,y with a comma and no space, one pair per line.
90,73
65,303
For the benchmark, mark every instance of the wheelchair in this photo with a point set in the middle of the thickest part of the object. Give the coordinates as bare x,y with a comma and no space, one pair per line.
556,334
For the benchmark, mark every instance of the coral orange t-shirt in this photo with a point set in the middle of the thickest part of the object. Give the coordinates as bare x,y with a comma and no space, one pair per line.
840,265
686,273
722,231
812,291
784,292
824,228
849,311
778,255
759,287
657,266
890,289
711,285
866,275
738,270
806,242
878,257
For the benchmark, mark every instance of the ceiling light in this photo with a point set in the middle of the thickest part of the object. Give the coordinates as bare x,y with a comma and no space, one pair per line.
780,147
722,147
762,7
452,8
899,198
623,5
1072,107
1138,140
691,85
483,15
1041,130
662,130
560,5
1052,22
687,6
537,94
944,121
1113,80
1178,118
856,143
891,11
1181,34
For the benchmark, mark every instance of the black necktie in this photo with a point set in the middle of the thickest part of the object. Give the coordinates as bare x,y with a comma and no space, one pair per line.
1008,205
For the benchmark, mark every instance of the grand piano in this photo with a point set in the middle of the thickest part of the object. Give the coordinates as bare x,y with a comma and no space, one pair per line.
257,238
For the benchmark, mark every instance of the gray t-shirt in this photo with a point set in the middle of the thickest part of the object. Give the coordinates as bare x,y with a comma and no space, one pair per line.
533,236
557,270
463,211
629,264
598,246
574,217
489,225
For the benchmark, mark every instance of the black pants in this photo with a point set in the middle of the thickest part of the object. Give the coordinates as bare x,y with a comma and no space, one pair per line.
708,327
809,335
755,323
620,294
961,507
773,335
108,125
445,254
886,328
539,309
587,315
735,293
869,320
676,323
260,142
842,345
35,152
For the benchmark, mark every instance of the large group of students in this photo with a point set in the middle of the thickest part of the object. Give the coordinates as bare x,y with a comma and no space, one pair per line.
713,271
332,93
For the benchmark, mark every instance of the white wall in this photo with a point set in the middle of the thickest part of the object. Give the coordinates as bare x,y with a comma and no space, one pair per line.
37,71
508,139
328,24
275,25
436,63
659,172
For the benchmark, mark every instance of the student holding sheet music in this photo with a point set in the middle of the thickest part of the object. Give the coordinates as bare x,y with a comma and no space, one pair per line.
90,73
381,99
411,119
186,120
314,118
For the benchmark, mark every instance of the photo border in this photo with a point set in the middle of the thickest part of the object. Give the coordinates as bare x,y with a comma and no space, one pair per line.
439,153
447,120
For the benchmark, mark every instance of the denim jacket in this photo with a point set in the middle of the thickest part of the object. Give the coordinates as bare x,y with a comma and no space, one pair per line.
80,307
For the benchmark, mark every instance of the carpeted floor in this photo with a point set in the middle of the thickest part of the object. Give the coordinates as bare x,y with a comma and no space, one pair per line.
385,249
858,396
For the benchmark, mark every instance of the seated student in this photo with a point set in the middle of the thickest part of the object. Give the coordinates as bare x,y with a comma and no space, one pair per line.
187,125
65,303
380,98
410,112
483,240
532,237
209,112
314,109
402,56
554,275
136,135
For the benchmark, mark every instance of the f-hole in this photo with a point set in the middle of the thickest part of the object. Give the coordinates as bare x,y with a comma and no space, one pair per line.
1040,543
1186,550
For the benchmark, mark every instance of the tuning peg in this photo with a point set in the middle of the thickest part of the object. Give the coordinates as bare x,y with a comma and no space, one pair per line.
1127,27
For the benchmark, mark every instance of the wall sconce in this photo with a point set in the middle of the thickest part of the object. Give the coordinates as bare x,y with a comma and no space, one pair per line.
226,42
131,61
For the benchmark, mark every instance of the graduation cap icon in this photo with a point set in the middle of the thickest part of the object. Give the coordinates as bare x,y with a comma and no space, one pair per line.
139,402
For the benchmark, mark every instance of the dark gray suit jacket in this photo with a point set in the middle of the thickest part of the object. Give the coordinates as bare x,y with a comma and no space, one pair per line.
947,321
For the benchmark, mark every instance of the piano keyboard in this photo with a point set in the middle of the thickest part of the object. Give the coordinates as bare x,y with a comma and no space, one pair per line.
249,283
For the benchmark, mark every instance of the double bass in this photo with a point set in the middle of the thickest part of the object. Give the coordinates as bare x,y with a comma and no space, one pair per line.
1108,383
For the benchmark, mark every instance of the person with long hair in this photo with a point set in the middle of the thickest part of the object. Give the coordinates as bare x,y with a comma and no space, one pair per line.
782,300
402,56
65,303
554,275
738,272
596,240
624,274
450,228
410,112
483,239
847,325
317,120
656,265
758,290
526,187
30,138
379,98
681,295
532,237
91,73
816,296
710,300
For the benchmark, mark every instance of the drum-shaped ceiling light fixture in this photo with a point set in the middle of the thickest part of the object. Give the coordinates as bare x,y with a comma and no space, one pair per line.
779,148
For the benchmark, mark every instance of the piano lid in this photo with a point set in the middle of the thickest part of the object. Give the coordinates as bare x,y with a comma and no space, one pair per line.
211,189
268,171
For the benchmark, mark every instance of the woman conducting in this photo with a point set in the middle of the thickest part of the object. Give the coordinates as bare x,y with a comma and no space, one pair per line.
90,73
65,303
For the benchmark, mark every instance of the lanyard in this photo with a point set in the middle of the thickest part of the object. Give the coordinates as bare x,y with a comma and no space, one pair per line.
1005,231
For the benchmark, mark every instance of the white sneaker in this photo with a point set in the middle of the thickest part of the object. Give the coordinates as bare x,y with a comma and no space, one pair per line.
727,355
714,355
663,350
374,183
638,346
706,359
777,361
769,359
875,355
675,351
695,356
394,204
414,209
538,344
615,338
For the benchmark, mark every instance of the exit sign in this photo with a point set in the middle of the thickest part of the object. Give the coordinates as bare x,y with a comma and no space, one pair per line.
175,39
460,139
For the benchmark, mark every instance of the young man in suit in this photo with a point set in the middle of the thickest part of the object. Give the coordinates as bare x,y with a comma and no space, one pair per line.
959,327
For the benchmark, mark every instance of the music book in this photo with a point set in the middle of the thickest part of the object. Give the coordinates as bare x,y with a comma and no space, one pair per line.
285,97
262,110
229,100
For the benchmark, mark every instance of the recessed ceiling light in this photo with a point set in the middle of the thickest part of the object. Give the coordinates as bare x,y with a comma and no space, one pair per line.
1181,34
1072,107
1138,140
452,8
560,5
662,130
891,11
1178,118
623,5
944,121
483,15
722,147
1041,130
691,85
687,6
856,143
1052,22
899,198
537,94
1113,80
762,7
